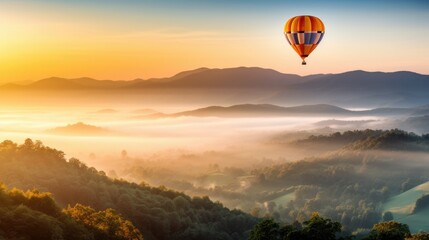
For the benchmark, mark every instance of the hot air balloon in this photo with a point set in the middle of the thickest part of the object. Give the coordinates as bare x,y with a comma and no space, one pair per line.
304,33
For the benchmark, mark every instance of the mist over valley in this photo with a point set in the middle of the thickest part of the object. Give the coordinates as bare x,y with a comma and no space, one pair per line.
247,144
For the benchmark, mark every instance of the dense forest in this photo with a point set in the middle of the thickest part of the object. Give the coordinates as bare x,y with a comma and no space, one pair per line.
349,186
319,228
394,139
35,215
158,213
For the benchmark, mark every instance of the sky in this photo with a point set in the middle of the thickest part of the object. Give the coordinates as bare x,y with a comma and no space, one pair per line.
128,39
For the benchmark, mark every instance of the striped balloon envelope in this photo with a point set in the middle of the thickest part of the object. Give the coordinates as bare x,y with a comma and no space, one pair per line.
304,33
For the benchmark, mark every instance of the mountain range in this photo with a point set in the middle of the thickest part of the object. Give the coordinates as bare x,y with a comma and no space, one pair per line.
270,110
256,85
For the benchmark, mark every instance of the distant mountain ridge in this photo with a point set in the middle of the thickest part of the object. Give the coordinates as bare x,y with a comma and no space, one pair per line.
242,77
259,110
201,77
270,110
260,85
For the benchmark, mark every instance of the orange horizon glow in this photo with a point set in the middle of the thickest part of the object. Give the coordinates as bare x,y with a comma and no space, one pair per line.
40,41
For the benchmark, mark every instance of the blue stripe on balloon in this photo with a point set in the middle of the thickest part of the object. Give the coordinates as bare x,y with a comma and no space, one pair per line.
295,38
312,38
307,38
320,39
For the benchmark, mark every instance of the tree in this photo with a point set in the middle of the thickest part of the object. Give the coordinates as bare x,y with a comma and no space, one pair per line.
265,230
419,236
318,228
157,211
181,203
391,230
106,224
292,231
35,215
421,203
42,202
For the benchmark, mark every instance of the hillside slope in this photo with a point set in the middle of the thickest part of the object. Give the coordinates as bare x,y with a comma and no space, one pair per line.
402,205
35,215
158,213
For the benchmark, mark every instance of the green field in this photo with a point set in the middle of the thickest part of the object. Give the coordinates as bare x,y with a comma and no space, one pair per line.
403,204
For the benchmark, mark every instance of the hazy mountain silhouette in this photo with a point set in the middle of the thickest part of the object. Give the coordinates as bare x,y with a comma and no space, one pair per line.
11,86
188,73
257,85
356,123
259,110
79,129
76,83
56,83
397,88
183,74
391,111
417,124
241,77
422,110
270,110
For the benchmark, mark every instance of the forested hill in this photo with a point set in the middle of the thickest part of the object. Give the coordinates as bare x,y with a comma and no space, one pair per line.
35,215
394,139
157,212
